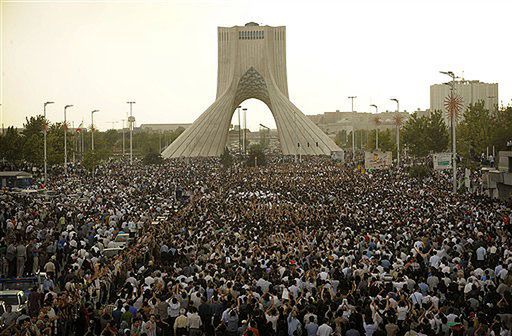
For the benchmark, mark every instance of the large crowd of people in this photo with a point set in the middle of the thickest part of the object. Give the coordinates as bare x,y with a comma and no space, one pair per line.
314,248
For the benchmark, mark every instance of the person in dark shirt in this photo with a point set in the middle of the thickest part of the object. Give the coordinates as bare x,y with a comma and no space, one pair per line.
117,314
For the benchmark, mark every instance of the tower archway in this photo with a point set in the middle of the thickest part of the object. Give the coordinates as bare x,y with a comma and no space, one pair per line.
252,64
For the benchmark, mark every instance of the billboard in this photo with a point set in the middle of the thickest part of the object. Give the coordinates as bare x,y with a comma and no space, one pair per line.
442,161
377,160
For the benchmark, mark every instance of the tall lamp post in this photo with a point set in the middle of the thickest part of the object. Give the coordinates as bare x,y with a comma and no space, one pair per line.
376,127
353,129
453,105
397,124
123,120
65,139
44,133
239,133
265,138
92,129
245,126
131,120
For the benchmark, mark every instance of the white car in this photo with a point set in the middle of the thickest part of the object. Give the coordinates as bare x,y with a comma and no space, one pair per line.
121,240
16,298
112,251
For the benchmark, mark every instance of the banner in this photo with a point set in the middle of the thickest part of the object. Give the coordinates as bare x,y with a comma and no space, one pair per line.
442,161
377,160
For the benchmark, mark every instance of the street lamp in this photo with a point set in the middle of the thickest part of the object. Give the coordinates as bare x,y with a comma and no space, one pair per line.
244,139
264,144
376,127
239,132
45,132
131,120
65,140
353,129
92,129
397,124
452,120
123,120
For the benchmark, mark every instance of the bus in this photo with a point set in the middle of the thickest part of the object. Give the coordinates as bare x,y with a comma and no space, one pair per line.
15,179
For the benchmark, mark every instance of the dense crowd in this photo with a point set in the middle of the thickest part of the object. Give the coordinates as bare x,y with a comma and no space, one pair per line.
311,248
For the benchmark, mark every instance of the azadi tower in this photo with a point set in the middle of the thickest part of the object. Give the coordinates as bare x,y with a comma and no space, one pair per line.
252,64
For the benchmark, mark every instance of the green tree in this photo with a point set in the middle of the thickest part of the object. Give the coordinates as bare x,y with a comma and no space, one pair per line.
474,133
502,131
112,138
32,146
33,126
340,138
90,160
437,132
55,144
11,145
94,158
423,135
153,157
386,140
256,156
226,158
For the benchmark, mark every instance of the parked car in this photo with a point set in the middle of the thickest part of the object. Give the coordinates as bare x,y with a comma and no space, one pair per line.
25,284
121,240
16,298
112,251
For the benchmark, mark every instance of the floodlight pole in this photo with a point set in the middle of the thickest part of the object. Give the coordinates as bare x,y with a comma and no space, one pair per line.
92,129
244,139
454,140
353,129
397,131
131,119
65,140
239,133
123,120
376,129
44,133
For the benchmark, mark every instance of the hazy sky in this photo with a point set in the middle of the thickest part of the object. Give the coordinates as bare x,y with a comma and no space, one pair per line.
163,55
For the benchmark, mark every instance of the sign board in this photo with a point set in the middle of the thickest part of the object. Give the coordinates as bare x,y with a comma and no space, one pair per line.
442,161
338,155
377,160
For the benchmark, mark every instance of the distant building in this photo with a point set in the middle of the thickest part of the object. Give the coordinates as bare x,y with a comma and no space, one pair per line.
334,122
162,127
471,91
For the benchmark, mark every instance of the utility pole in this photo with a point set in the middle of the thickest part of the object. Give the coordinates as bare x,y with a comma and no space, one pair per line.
353,129
131,120
123,120
75,149
245,132
82,145
65,140
239,133
44,133
92,129
397,124
452,104
376,127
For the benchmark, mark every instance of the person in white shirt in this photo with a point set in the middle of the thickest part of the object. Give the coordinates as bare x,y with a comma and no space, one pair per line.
480,255
324,330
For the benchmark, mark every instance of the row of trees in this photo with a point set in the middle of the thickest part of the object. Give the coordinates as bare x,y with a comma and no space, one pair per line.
27,145
478,130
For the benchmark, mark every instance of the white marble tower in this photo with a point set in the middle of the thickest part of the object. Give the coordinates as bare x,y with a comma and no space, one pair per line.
252,64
